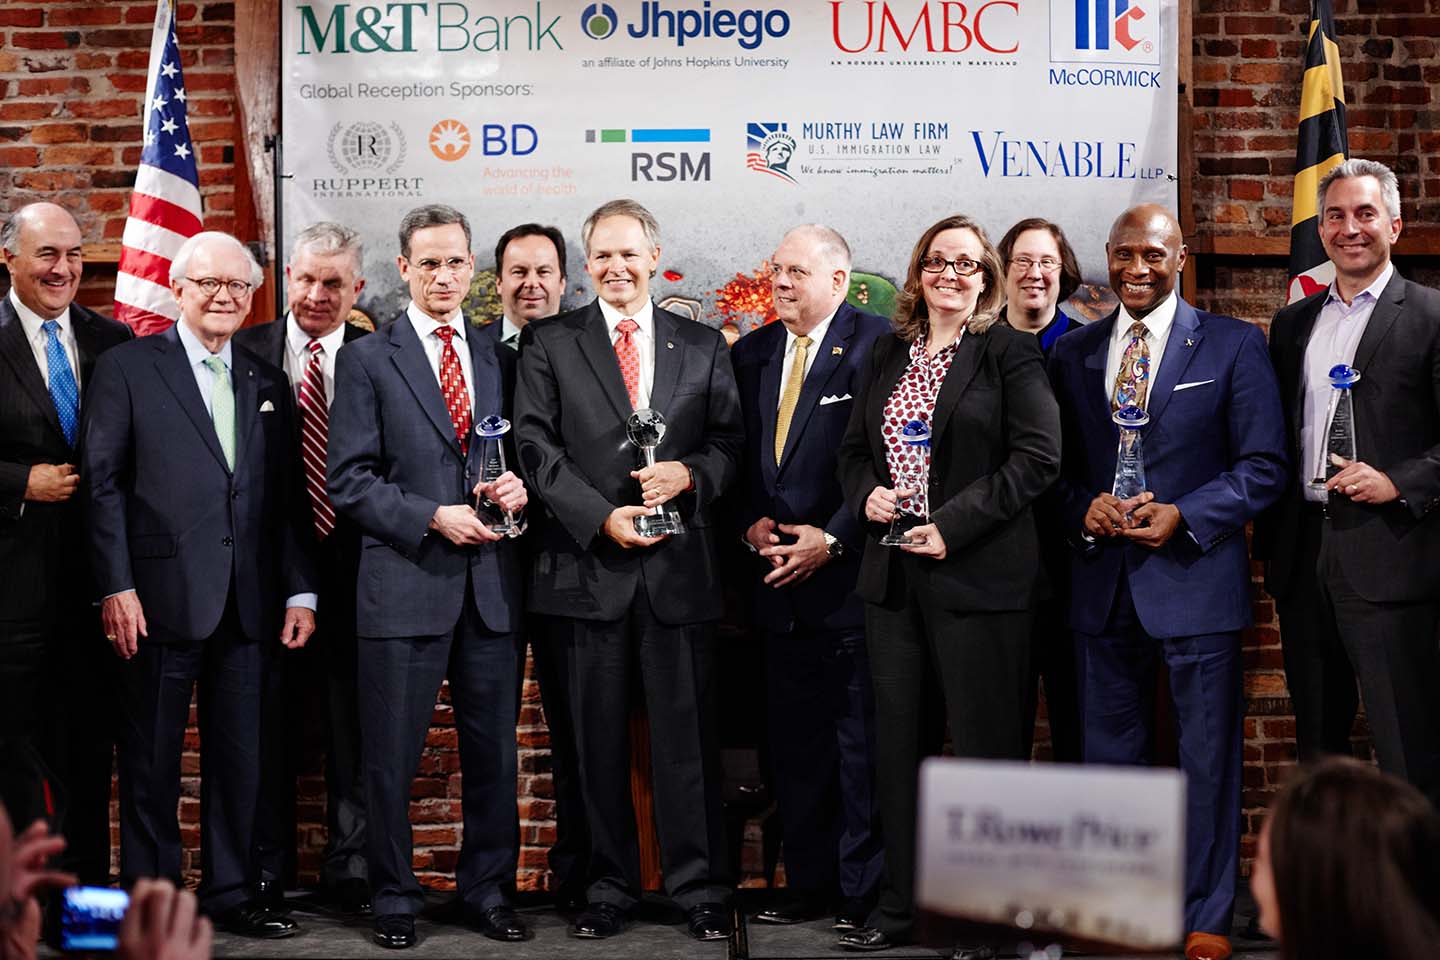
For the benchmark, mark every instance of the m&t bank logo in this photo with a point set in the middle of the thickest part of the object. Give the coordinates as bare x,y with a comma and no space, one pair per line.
599,21
1105,31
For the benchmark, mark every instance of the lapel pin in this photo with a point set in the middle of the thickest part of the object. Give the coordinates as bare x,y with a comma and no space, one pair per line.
837,351
669,345
1189,342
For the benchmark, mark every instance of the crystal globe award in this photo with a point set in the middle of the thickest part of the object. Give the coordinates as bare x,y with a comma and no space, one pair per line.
646,428
491,431
911,511
1130,455
1339,425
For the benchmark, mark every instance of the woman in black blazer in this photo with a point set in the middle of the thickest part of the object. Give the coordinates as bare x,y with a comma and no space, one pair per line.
952,611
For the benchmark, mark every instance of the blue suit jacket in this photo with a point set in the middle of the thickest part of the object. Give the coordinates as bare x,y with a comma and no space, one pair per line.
393,459
1214,447
168,518
803,487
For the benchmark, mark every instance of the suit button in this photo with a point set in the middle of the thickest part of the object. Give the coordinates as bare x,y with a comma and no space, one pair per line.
228,541
234,494
780,487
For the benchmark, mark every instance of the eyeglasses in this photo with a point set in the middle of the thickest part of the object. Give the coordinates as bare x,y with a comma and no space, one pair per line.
962,267
210,286
1023,264
430,267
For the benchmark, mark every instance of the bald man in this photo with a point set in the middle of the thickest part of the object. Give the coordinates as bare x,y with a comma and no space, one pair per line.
48,347
1165,575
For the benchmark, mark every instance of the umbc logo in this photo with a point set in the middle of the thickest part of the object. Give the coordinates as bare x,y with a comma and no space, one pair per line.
599,21
770,149
1105,31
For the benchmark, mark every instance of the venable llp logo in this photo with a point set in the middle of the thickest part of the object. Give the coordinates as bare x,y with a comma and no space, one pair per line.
1105,31
599,21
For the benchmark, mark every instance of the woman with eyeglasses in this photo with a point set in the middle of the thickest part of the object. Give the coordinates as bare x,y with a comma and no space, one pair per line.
1041,272
949,612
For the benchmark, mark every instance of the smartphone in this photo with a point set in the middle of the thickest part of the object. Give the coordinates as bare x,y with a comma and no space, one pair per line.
90,920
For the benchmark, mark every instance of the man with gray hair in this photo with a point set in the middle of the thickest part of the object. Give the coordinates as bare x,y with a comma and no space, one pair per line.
323,280
56,688
200,539
1353,549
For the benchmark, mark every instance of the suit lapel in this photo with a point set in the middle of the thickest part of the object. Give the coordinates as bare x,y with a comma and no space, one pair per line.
1382,318
895,364
826,362
771,375
1304,327
968,354
668,359
1096,393
246,398
86,342
1185,339
16,349
599,352
174,368
408,355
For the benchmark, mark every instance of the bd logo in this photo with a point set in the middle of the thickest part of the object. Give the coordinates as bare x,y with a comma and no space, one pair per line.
599,21
1105,31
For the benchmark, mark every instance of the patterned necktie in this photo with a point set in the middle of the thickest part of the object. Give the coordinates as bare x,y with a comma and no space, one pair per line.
1132,380
791,396
628,355
452,386
64,392
222,409
314,433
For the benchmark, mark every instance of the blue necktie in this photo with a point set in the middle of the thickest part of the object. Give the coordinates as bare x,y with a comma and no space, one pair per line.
64,392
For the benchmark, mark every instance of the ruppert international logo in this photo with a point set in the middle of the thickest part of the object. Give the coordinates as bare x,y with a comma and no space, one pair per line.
1110,43
660,154
369,158
684,24
769,149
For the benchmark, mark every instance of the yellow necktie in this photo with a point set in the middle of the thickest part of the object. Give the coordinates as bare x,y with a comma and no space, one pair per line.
791,396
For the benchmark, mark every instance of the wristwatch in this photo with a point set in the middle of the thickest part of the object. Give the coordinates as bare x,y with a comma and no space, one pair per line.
833,545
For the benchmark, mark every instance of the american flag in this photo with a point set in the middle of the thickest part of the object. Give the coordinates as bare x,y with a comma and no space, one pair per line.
165,207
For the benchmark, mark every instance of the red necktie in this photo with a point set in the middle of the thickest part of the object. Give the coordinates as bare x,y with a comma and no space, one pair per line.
629,356
314,432
452,385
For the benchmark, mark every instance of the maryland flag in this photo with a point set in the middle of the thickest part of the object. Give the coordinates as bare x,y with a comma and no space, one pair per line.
1320,146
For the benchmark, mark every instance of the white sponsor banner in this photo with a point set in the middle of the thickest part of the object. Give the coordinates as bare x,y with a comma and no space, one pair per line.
1090,852
730,122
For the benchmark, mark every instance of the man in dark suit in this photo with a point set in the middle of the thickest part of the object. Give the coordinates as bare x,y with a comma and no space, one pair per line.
797,379
624,597
1353,549
323,280
200,543
439,591
56,679
1165,575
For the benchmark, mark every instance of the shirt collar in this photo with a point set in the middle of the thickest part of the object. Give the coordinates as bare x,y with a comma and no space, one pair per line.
1157,321
425,325
298,341
508,329
817,335
196,352
30,321
1372,292
644,317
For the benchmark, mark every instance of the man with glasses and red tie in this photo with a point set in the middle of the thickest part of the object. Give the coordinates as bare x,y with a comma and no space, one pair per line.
629,600
439,591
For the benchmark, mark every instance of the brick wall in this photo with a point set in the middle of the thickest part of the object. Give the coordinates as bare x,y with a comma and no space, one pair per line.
72,75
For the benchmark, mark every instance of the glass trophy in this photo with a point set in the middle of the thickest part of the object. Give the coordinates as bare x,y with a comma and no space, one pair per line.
911,511
491,432
1339,425
1130,456
646,428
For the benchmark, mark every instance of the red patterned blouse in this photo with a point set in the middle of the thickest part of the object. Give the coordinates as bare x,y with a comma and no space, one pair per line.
914,399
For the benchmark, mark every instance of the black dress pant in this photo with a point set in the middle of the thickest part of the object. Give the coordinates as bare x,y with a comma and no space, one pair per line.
569,856
979,663
1331,636
399,681
156,686
676,667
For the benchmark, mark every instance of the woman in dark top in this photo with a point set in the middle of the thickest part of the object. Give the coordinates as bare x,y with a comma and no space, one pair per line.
951,611
1041,273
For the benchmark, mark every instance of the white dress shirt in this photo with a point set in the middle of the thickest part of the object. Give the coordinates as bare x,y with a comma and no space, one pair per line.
509,333
30,322
426,325
1157,324
817,336
1333,340
644,340
297,356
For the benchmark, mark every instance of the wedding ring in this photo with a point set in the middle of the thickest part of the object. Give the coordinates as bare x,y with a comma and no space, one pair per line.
1353,487
111,637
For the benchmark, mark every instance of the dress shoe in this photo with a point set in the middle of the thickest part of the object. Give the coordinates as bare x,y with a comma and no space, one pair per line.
269,893
568,900
255,920
797,910
866,939
973,953
708,921
852,914
1207,946
395,930
597,921
499,922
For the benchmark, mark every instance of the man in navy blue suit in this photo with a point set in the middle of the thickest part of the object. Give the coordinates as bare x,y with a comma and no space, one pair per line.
199,533
796,381
1166,575
439,591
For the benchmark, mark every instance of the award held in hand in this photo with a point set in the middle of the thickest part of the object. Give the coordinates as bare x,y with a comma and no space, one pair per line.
491,432
1339,426
914,475
646,428
1130,456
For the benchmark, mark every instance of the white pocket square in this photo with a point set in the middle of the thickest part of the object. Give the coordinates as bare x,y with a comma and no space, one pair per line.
1193,383
833,398
267,407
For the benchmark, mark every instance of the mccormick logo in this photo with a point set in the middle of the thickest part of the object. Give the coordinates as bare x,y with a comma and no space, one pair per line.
1105,31
770,149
